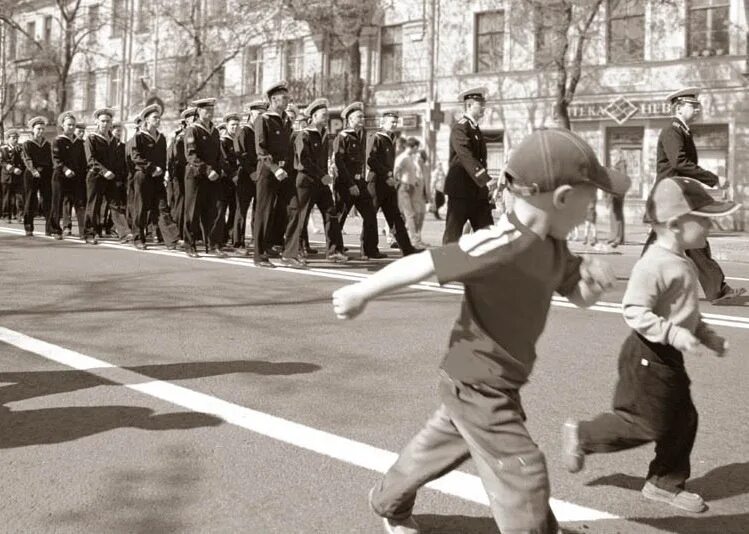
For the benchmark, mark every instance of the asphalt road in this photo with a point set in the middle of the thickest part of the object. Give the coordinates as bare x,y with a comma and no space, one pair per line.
217,397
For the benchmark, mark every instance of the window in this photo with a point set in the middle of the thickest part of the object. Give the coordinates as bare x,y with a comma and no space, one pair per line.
113,95
12,43
141,22
253,70
294,57
118,18
216,8
216,83
47,30
90,103
490,39
30,38
93,23
548,33
494,151
138,93
626,31
708,28
624,154
391,54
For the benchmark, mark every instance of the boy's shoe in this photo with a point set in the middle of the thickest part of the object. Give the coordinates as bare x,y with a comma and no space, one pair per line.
573,457
67,231
140,245
58,237
730,296
337,257
294,263
685,500
405,526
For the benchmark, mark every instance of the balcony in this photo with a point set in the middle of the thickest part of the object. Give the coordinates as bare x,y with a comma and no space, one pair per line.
334,88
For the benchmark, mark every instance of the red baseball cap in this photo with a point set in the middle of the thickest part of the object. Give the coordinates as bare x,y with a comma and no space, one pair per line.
552,157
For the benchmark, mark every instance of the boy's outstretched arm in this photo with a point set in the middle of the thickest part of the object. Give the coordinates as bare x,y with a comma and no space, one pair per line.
596,277
349,301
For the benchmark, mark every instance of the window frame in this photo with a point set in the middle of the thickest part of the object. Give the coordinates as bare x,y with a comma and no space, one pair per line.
610,19
90,91
538,25
713,5
47,30
298,59
256,66
114,99
397,48
477,35
118,31
93,22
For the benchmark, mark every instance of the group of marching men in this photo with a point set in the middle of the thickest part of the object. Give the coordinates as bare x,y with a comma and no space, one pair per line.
213,178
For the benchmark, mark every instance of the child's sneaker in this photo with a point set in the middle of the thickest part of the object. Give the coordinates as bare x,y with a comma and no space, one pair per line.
405,526
685,500
396,526
573,457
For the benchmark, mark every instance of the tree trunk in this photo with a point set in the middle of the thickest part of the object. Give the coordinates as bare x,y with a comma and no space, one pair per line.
562,113
355,89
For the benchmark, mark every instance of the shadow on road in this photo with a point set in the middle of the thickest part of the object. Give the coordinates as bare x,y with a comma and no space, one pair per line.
58,425
54,425
144,500
723,524
723,482
452,524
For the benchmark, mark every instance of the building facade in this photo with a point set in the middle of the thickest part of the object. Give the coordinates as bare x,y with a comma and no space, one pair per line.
415,57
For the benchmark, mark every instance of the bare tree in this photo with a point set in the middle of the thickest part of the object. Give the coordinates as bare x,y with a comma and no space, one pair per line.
340,22
52,60
205,35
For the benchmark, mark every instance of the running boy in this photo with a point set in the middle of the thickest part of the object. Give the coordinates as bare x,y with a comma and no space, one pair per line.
510,272
652,401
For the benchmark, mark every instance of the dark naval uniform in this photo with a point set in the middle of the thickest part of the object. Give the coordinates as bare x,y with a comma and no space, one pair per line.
311,164
676,155
11,158
202,196
349,152
244,148
380,163
273,147
177,163
149,154
102,158
229,176
121,171
68,154
37,157
465,183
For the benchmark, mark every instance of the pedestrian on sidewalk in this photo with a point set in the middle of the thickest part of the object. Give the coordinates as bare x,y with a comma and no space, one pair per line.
652,400
437,189
677,156
616,206
510,272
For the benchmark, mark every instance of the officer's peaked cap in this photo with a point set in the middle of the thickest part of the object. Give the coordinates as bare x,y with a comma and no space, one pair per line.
354,106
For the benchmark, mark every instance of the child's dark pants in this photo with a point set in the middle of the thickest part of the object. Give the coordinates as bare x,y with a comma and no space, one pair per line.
486,424
652,402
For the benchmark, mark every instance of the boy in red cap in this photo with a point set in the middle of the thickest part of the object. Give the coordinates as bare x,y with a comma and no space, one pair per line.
510,272
652,401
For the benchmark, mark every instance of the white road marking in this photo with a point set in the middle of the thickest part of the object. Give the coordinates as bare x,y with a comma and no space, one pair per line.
731,321
456,483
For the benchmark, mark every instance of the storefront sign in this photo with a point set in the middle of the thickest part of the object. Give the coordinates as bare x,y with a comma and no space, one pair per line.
620,110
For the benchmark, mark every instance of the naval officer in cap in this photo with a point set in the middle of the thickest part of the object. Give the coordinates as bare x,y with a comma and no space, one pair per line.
202,182
101,183
176,164
349,152
467,175
37,156
677,156
274,161
244,147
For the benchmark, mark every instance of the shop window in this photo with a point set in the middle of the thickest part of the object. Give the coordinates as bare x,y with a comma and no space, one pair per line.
708,28
391,54
494,151
624,154
711,141
490,38
626,31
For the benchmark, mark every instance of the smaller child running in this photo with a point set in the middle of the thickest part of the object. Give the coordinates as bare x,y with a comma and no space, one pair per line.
652,400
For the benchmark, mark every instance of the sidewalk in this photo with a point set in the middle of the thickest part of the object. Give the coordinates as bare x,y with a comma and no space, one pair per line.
725,246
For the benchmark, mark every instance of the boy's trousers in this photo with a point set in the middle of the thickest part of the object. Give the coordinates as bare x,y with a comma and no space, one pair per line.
652,402
486,424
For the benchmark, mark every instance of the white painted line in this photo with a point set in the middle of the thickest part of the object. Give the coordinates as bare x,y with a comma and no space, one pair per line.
731,321
456,483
